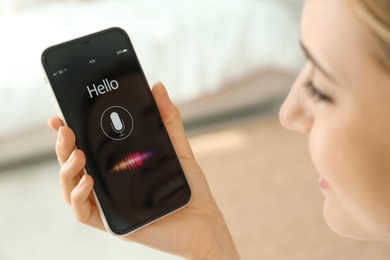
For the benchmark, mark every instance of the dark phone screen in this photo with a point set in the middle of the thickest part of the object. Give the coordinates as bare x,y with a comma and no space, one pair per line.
105,99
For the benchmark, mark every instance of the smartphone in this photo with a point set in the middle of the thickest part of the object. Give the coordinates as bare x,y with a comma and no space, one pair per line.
101,93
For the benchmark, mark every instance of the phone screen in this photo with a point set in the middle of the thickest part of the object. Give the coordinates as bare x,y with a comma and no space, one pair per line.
105,99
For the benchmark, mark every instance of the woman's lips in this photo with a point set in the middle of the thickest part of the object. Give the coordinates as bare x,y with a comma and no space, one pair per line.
323,183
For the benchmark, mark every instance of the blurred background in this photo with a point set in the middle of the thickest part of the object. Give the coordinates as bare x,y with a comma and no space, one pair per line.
228,65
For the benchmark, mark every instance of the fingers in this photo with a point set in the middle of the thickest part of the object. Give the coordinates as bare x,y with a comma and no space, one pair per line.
84,211
172,120
55,123
66,139
72,160
77,191
75,185
65,144
70,173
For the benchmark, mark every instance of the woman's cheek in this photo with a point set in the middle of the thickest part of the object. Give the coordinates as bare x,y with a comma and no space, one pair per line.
353,164
327,151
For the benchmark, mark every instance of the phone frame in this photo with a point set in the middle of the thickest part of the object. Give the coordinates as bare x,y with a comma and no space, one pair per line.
48,81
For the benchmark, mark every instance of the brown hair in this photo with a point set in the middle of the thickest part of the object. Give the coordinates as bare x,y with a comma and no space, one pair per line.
375,15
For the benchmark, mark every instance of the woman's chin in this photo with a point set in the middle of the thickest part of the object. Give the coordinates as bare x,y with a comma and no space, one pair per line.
345,224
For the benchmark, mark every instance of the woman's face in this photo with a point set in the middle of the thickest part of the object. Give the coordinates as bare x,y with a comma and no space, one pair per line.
342,101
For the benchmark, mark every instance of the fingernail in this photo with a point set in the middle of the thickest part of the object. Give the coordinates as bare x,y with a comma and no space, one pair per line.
59,135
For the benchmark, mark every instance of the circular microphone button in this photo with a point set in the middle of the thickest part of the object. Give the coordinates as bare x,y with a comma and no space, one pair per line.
116,123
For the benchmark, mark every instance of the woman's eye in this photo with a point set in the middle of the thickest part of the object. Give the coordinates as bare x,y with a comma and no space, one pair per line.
314,92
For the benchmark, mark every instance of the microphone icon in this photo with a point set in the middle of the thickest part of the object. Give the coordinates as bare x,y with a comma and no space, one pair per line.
117,123
112,123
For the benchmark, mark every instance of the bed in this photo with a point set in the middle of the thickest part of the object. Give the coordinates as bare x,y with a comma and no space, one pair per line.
215,57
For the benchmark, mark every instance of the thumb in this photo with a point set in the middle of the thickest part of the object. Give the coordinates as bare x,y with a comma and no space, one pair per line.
173,122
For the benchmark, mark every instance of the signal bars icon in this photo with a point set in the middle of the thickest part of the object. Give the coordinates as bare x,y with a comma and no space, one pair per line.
60,72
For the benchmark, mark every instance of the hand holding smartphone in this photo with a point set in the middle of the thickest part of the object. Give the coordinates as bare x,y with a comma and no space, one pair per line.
101,93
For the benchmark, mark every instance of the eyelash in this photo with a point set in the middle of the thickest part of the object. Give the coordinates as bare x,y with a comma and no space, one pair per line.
314,92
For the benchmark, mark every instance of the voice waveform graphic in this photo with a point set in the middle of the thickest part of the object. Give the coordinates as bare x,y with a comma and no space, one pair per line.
131,161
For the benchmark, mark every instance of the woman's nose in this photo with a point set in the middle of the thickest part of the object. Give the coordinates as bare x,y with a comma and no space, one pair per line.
296,112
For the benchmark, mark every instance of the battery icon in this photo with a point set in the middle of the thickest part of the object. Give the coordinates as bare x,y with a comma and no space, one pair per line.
124,50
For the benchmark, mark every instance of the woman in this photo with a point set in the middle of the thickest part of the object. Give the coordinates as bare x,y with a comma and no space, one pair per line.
341,100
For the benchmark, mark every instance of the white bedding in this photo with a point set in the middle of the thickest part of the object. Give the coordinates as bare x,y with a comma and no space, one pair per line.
194,47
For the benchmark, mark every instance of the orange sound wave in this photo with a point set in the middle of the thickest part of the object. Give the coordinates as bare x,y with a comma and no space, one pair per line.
131,161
